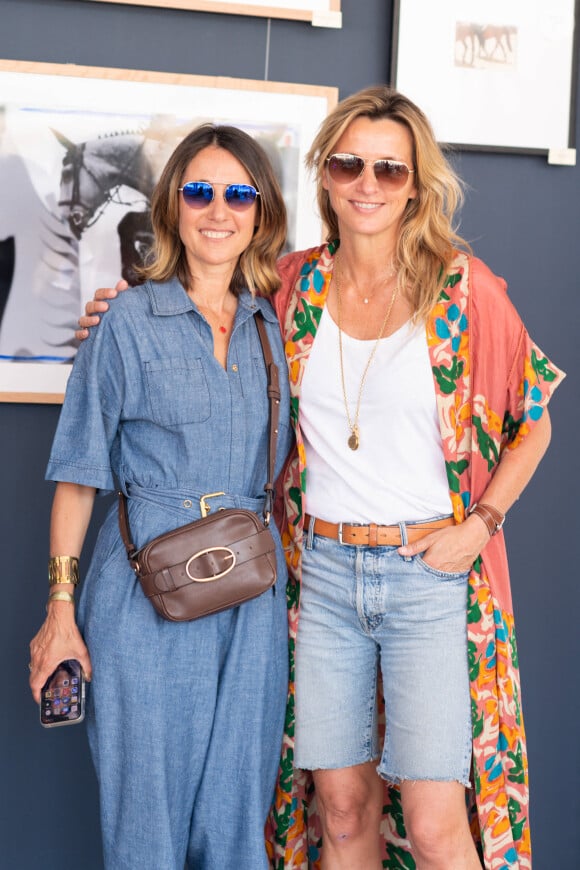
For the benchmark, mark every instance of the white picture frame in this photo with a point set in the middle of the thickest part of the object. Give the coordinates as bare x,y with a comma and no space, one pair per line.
46,274
320,13
507,85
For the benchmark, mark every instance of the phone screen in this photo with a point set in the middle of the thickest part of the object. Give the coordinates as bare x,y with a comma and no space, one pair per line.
62,700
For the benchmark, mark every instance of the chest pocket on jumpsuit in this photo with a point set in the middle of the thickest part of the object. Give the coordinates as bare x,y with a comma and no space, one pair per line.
178,390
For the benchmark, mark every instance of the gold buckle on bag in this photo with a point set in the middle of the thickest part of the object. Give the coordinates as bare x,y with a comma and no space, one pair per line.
228,555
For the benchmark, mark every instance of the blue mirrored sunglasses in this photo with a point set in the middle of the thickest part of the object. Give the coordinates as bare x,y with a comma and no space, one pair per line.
199,194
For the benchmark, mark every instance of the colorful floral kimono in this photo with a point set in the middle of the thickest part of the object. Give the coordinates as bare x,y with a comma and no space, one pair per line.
492,384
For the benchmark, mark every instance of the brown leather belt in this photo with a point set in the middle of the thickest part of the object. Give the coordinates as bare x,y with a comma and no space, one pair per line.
373,535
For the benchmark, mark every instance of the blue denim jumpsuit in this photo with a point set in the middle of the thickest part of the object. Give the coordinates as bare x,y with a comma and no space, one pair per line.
185,719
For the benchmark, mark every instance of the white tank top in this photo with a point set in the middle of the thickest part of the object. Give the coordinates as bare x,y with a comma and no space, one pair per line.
398,472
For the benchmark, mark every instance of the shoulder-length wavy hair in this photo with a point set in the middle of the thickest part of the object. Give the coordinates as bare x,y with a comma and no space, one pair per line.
256,268
428,239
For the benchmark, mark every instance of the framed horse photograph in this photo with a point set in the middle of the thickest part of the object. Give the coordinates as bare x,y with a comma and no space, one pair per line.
495,75
81,149
321,13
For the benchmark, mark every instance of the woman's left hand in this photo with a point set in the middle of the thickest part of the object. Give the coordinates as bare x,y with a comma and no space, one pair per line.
453,549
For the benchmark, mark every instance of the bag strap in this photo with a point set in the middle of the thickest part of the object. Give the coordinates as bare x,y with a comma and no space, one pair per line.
126,531
274,418
274,414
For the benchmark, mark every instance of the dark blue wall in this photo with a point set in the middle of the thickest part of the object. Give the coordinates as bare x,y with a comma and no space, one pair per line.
523,218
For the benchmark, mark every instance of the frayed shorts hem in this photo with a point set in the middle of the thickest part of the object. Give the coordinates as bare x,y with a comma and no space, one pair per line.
387,776
394,779
335,765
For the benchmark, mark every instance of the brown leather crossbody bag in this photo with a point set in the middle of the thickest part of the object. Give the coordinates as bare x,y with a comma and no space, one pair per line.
220,560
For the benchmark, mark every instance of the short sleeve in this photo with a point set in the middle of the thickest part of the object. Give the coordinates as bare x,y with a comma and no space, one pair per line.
533,378
516,378
89,420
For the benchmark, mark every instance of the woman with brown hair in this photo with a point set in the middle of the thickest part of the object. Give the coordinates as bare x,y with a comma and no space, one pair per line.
168,402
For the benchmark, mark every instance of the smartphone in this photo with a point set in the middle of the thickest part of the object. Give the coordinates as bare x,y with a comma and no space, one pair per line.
62,700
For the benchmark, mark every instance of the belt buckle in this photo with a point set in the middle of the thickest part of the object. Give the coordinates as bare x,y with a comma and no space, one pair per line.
204,508
340,541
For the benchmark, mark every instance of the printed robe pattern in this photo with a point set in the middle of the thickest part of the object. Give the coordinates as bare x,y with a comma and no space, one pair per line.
492,384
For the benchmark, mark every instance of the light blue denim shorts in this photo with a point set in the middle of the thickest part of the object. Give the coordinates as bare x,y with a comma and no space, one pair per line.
368,608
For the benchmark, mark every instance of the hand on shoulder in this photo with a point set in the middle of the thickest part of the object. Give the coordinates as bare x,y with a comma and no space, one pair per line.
96,306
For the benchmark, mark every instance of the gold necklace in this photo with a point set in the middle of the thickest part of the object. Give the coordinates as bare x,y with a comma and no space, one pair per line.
366,299
209,313
354,437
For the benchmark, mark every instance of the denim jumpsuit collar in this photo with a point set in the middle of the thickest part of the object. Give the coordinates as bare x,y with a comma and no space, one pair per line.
169,298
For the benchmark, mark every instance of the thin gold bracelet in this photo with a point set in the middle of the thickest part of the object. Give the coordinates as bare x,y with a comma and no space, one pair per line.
63,569
60,595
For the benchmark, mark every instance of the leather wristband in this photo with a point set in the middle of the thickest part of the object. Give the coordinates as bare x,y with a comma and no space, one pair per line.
63,569
492,518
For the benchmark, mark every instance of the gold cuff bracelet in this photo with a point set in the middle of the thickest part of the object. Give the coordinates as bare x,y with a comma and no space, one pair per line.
63,569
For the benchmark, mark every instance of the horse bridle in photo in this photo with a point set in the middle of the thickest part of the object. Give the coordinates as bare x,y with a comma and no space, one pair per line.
76,158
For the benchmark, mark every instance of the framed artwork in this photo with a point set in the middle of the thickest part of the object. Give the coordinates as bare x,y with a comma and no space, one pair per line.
491,74
321,13
80,151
